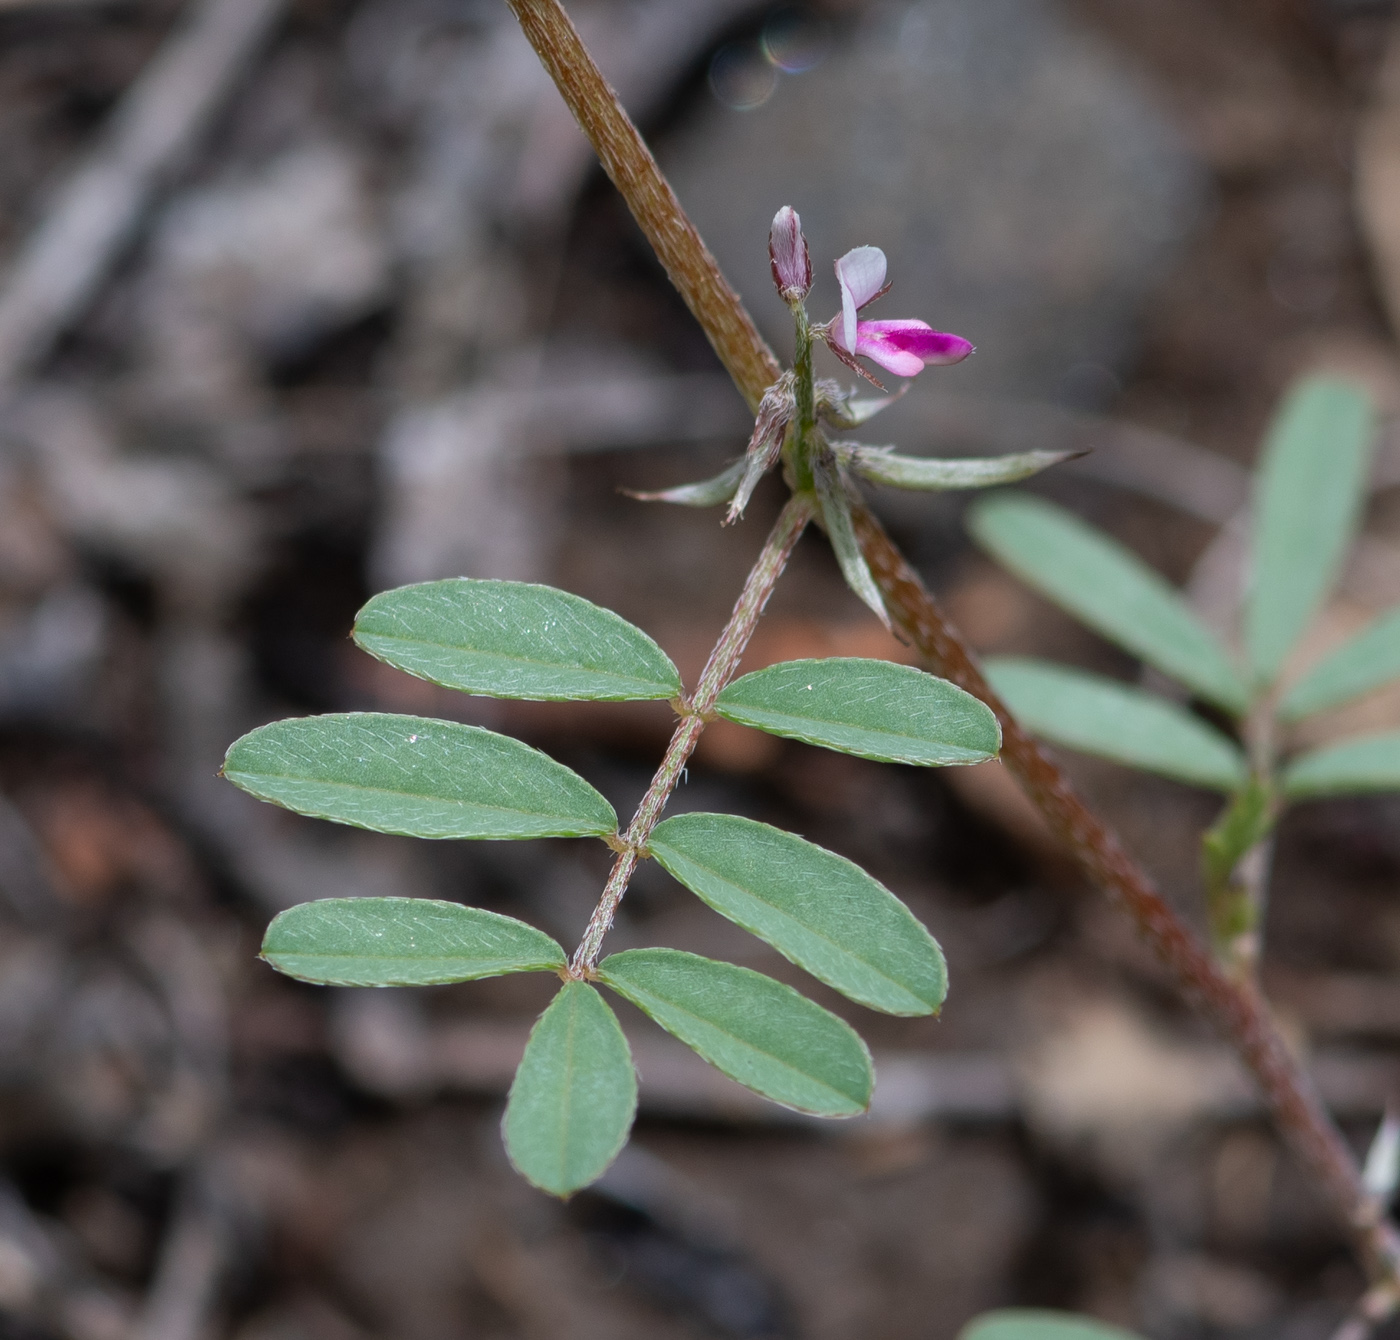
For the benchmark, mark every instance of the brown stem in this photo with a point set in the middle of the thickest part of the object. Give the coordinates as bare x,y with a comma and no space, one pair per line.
1236,1007
719,669
627,160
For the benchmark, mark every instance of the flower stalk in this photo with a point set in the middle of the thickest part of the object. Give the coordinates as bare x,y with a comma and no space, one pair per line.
1234,1005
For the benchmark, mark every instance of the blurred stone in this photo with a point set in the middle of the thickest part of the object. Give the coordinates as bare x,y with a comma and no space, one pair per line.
284,254
1028,194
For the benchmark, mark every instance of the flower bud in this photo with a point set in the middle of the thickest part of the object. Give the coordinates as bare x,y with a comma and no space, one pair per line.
787,254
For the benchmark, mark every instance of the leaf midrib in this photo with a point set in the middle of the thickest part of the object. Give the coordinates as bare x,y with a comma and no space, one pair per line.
388,791
777,715
825,939
743,1042
514,660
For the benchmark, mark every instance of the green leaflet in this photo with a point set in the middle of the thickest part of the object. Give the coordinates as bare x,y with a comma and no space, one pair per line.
1364,763
1099,716
1308,495
1367,661
881,466
574,1096
705,493
1029,1323
514,640
816,908
840,531
875,709
757,1031
402,942
415,776
1110,589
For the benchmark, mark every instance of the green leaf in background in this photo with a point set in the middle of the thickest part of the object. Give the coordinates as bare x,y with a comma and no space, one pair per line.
881,466
1100,716
1365,763
816,908
1367,661
415,776
1031,1323
1110,589
1308,495
514,640
875,709
574,1096
757,1031
402,942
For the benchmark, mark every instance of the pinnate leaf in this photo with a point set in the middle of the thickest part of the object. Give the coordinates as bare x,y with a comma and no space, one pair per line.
757,1031
415,776
574,1096
875,709
514,640
402,942
1026,1323
1367,661
1350,767
1100,716
816,908
1308,495
1112,590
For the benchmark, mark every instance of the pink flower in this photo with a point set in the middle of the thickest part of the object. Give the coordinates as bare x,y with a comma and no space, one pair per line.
788,256
905,347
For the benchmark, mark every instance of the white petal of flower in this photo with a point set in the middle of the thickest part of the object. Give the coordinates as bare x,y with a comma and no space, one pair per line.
861,274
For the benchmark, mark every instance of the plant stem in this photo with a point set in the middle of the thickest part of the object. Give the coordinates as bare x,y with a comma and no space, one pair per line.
1251,877
627,160
804,388
718,671
1236,1007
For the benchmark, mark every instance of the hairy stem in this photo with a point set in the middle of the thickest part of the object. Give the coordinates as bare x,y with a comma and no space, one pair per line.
1236,1007
718,671
804,426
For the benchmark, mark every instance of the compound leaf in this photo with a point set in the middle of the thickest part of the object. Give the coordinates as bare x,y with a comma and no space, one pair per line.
1367,661
1364,763
1308,495
816,908
1028,1323
514,640
875,709
1100,716
574,1096
757,1031
415,776
402,942
1112,590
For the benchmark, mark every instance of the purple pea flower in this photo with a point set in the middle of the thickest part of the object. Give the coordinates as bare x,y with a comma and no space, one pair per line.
904,347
